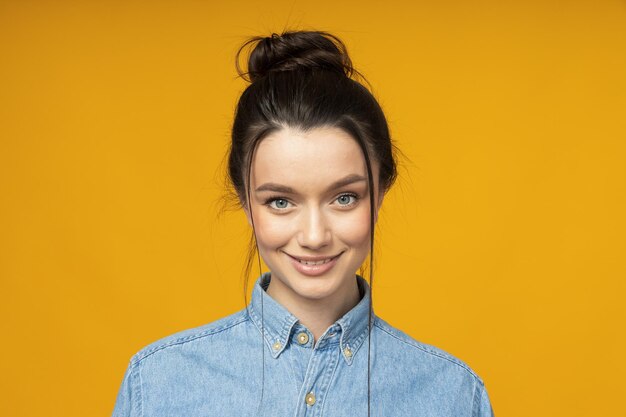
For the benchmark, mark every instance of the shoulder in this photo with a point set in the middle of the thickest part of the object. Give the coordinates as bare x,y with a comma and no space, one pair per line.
202,333
423,352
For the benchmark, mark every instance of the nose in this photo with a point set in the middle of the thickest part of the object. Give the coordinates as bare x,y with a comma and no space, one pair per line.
313,232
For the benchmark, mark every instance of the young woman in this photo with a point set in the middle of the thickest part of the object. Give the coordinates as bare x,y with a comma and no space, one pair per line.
310,161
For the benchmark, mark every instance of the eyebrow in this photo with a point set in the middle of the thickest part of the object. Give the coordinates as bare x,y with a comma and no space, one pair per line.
279,188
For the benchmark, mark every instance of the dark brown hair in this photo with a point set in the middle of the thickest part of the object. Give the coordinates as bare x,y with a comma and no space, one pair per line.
305,80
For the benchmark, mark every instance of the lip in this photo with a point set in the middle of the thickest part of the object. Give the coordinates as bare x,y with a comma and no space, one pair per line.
323,264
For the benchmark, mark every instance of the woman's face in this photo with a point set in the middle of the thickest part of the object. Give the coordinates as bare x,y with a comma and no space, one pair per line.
310,204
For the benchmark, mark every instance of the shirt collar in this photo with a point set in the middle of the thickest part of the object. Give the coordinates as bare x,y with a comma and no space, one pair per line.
278,323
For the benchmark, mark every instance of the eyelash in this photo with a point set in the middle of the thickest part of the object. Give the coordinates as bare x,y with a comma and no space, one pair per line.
271,200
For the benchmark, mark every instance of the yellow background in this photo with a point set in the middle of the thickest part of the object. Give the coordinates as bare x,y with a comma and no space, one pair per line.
502,243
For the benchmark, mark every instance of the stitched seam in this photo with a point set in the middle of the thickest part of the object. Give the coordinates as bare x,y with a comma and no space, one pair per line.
269,335
292,364
312,364
476,400
427,351
358,342
331,379
143,355
254,318
136,391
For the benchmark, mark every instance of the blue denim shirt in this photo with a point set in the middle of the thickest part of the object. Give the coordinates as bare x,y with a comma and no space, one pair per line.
216,370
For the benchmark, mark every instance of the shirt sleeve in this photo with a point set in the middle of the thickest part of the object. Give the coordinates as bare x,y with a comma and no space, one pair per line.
482,405
128,396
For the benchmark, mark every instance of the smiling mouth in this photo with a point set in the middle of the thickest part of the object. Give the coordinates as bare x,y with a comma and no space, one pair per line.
312,261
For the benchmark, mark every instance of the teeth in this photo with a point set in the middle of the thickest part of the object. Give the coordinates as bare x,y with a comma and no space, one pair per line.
325,261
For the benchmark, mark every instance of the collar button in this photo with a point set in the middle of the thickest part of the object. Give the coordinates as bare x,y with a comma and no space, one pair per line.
303,338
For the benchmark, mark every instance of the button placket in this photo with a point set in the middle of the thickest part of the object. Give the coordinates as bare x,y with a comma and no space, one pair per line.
317,380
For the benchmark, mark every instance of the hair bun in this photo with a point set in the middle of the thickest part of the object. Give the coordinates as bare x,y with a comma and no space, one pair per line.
294,50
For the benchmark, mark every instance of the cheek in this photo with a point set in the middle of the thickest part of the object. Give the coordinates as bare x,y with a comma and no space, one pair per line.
354,229
271,232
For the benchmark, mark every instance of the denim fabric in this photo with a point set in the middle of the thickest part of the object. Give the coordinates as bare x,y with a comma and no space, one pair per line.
216,370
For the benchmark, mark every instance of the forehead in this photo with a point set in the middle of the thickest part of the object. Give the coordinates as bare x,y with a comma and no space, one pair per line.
306,159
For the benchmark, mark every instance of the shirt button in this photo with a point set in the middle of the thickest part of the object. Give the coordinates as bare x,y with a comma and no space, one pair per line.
303,338
276,345
347,352
310,398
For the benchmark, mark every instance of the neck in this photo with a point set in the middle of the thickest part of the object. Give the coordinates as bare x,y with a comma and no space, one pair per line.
317,315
